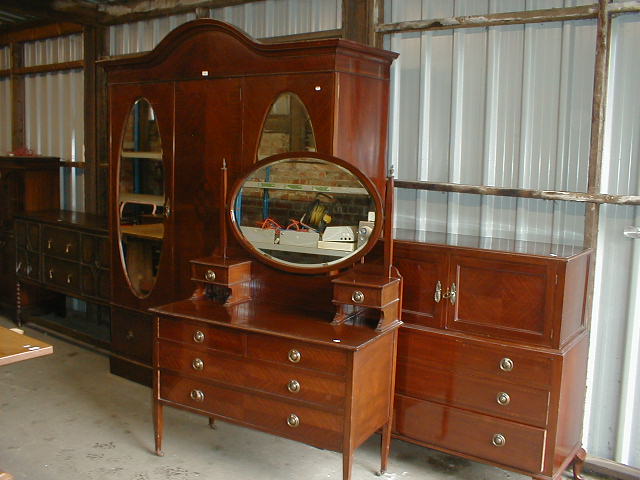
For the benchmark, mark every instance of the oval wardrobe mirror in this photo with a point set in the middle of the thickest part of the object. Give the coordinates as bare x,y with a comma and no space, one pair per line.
141,198
306,212
287,128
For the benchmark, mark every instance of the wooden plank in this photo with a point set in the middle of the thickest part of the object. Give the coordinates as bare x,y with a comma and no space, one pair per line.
358,21
297,37
594,198
15,347
624,7
40,33
51,67
492,20
17,98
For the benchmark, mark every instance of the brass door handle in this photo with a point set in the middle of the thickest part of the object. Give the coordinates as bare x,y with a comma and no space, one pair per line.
437,295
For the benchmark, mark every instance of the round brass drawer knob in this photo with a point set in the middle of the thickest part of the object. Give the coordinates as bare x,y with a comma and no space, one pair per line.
503,398
506,364
357,297
197,364
197,395
293,386
210,275
498,440
294,356
198,337
293,420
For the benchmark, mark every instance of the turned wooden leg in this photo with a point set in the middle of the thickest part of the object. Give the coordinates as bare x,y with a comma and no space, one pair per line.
385,444
158,426
347,462
578,464
18,305
212,423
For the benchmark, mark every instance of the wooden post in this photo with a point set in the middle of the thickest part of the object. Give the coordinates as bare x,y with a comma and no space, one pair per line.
18,137
358,20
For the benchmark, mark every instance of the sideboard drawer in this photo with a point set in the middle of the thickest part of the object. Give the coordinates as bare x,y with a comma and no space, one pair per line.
500,362
200,334
61,242
294,352
493,397
61,273
504,442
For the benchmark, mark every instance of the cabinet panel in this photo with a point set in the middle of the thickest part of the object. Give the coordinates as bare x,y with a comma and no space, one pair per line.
132,334
502,299
422,270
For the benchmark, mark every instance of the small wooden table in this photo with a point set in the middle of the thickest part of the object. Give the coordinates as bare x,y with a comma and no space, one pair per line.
15,347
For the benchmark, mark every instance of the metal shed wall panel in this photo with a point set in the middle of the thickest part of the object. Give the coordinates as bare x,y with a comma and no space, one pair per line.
54,125
53,50
613,404
500,106
144,35
272,18
5,58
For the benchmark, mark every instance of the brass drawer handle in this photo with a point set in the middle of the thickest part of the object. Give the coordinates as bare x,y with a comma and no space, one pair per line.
130,335
198,337
197,364
210,275
294,356
498,440
51,274
69,278
49,244
293,420
357,297
293,386
503,398
67,248
506,364
197,395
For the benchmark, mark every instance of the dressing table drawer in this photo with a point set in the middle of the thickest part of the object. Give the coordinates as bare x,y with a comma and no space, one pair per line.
202,335
288,382
296,353
315,427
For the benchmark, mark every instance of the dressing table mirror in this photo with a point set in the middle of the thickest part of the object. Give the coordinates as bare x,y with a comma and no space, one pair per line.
292,327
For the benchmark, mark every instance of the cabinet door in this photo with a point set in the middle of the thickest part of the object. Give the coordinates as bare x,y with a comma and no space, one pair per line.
502,297
422,269
142,194
208,131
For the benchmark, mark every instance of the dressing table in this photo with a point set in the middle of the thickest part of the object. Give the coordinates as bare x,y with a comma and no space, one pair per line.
287,332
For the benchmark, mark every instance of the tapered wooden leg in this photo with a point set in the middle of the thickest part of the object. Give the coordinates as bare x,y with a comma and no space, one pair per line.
578,464
158,426
385,444
347,462
212,423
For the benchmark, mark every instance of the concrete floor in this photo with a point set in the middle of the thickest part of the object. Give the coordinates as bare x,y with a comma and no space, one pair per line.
65,417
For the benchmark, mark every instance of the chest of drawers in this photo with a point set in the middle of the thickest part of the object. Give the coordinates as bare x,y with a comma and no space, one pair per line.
323,385
495,371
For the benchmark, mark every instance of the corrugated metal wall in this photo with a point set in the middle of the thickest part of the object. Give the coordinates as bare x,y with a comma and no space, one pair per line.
5,103
511,107
613,415
144,35
54,111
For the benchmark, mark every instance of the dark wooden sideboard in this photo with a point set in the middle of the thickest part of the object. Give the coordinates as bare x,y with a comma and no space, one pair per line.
492,356
26,184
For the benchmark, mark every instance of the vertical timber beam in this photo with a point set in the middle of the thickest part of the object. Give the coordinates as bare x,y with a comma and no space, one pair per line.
601,73
18,137
358,21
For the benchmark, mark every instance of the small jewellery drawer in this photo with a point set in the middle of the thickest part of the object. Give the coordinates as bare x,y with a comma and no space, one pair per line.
202,335
511,364
299,354
209,274
228,272
315,427
358,295
507,443
61,273
60,242
290,382
499,398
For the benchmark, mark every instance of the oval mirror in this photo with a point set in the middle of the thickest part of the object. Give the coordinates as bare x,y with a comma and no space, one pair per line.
306,212
141,198
287,128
